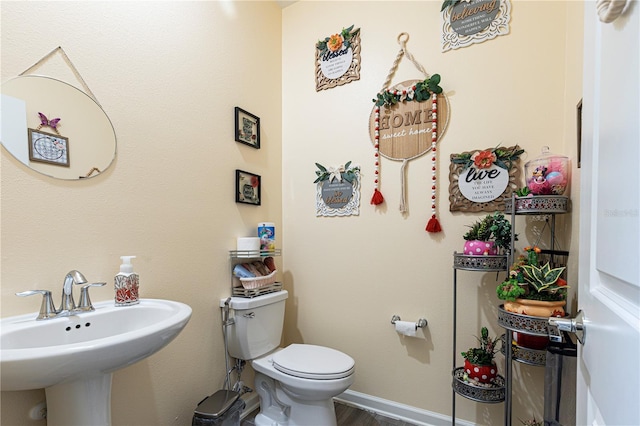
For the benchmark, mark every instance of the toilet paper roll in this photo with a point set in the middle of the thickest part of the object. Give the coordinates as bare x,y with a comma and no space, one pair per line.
248,244
406,328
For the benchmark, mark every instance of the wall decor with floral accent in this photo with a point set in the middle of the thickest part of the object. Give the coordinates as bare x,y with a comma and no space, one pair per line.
338,59
466,22
338,190
407,121
481,180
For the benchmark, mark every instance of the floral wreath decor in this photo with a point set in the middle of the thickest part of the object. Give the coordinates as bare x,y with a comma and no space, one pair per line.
502,158
345,172
336,41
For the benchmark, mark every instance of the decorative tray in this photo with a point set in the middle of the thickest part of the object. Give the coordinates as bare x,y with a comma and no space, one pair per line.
525,355
523,323
538,204
479,263
490,393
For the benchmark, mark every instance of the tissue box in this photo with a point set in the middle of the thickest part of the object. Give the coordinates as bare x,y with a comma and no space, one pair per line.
258,282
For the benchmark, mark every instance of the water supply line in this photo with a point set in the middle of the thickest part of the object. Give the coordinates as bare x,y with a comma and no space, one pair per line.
225,323
239,386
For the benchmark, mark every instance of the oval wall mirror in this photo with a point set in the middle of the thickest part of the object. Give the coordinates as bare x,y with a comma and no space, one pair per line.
55,128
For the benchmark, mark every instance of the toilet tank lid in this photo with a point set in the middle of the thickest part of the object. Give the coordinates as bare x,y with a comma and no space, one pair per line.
255,302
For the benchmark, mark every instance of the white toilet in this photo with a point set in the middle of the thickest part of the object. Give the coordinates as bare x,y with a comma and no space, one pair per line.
296,384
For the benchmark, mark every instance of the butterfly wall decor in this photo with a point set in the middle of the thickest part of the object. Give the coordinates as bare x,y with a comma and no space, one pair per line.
45,122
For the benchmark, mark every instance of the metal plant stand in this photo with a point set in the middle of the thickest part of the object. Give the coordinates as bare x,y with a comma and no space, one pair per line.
501,390
547,205
493,393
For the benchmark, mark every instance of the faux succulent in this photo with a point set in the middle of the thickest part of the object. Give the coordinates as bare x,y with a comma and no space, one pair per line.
485,353
493,227
528,280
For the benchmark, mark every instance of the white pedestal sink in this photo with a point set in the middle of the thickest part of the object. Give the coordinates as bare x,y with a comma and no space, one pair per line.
73,357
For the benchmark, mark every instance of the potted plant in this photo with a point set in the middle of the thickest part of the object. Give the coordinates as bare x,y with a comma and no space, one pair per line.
478,362
532,289
488,236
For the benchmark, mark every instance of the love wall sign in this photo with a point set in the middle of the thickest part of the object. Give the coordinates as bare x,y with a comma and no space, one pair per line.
482,180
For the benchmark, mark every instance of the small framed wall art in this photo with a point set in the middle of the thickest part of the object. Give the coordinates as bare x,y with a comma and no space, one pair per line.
48,148
247,188
247,128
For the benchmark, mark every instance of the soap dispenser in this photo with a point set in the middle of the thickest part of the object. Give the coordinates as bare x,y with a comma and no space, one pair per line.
126,283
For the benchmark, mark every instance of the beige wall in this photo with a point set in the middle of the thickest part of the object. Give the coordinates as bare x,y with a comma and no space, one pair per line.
349,275
169,75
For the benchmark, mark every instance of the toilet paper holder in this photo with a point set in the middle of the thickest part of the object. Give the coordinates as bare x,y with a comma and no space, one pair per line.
422,323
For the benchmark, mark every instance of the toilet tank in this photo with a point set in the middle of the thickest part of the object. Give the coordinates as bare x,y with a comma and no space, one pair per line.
257,327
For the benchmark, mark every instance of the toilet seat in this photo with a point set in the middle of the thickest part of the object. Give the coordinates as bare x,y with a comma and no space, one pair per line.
313,362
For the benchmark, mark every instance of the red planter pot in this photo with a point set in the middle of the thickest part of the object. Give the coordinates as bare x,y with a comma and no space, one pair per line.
481,373
530,342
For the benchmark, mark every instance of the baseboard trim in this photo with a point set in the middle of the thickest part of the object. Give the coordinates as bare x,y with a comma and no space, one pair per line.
396,410
252,402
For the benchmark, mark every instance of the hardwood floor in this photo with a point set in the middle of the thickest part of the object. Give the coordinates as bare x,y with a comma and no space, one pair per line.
349,416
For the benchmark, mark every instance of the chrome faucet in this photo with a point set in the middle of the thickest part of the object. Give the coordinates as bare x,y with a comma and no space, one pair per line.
67,305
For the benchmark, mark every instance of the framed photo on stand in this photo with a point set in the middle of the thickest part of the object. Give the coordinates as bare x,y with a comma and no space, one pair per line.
247,128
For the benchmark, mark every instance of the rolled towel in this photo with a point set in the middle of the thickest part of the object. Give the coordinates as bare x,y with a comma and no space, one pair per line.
270,263
262,268
242,272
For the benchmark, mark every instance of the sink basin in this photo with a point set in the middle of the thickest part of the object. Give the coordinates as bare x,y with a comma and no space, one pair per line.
74,357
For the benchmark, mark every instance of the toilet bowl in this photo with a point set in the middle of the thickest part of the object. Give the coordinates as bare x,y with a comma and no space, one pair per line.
296,384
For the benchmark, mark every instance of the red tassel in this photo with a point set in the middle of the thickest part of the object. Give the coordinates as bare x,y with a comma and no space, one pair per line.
377,197
433,225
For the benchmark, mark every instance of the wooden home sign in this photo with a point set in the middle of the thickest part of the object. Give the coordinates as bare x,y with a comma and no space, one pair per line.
404,131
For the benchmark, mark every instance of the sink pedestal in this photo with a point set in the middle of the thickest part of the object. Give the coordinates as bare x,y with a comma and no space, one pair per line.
84,402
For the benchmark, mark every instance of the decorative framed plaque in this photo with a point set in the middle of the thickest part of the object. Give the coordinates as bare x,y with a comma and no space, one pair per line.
338,59
338,190
247,128
481,180
48,148
248,188
466,22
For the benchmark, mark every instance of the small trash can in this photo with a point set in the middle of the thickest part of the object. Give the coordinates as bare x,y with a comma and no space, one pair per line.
560,383
220,409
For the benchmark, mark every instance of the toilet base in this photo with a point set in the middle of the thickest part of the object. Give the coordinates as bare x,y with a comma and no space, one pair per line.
278,408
